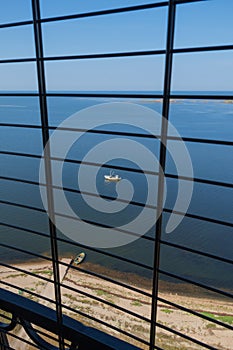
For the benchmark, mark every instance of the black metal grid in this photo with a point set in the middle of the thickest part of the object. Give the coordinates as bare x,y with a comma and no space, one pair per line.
166,96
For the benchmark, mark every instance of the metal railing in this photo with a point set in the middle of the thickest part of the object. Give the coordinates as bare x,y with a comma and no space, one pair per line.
52,321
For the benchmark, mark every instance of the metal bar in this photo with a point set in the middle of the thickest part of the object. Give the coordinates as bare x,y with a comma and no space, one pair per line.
109,132
86,56
106,55
71,243
4,344
184,336
195,313
105,12
117,229
28,272
97,13
167,210
108,325
40,296
198,284
17,60
120,54
29,155
48,172
162,162
198,252
73,330
199,180
182,96
109,94
16,24
199,217
203,49
152,95
208,141
22,206
174,245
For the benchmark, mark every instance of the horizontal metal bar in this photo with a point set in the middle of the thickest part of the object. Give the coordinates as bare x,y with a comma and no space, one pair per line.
108,325
198,252
200,180
16,24
26,126
24,181
105,94
84,56
99,224
71,190
199,140
20,154
135,170
108,279
203,49
198,284
146,95
181,2
17,60
20,94
105,12
186,337
73,330
16,268
73,243
195,313
120,133
24,229
89,131
199,217
40,296
121,54
22,206
114,306
96,13
39,256
105,55
23,340
197,96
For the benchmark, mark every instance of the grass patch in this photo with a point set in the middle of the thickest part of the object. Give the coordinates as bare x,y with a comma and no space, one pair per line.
136,303
167,311
210,326
43,272
101,292
224,319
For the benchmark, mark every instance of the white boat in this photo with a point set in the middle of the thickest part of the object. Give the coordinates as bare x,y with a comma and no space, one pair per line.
112,177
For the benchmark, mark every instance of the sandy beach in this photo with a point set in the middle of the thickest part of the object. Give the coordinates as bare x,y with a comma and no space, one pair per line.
98,298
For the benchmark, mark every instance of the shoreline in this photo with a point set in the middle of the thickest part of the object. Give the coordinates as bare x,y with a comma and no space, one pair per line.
131,278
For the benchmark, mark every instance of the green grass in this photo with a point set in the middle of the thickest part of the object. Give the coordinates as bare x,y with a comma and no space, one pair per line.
101,292
136,303
167,311
225,319
43,272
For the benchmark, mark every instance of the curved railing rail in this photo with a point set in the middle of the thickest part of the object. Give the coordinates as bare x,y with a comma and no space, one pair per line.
29,313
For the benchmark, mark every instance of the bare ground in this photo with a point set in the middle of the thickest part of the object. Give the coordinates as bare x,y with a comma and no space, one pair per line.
101,304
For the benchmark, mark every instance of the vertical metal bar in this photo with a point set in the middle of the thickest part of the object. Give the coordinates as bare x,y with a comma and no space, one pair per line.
162,159
3,341
48,172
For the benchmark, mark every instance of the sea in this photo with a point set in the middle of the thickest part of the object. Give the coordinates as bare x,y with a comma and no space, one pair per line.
116,145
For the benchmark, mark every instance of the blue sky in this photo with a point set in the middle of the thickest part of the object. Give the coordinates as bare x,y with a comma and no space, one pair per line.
199,24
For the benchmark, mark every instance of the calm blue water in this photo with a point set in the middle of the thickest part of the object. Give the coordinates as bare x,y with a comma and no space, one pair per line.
198,119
